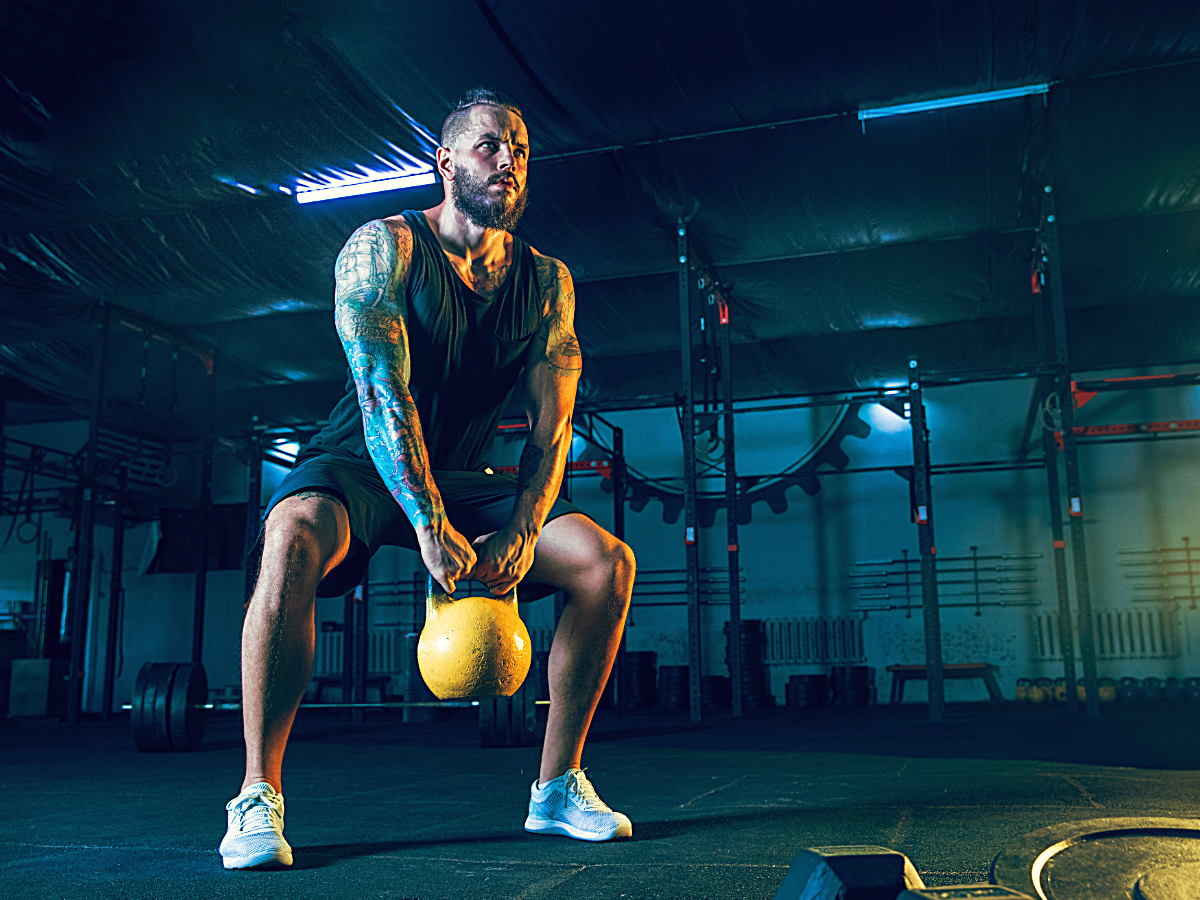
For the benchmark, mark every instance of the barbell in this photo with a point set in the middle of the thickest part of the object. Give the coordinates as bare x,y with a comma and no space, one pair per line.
169,712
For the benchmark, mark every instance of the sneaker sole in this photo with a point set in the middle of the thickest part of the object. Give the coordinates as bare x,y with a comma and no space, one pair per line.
271,859
538,825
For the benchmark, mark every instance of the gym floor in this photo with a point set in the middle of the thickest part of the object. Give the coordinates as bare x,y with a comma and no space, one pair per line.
390,810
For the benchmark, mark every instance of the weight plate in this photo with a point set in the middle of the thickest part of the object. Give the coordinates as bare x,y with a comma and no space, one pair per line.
162,707
140,718
148,717
1099,858
188,717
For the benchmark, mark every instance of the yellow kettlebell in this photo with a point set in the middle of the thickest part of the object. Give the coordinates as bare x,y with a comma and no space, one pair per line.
473,647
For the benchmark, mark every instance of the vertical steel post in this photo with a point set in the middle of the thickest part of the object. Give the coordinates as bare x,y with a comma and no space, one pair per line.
116,591
731,512
81,578
923,493
1042,391
1066,640
688,425
3,441
254,474
618,486
362,650
618,477
349,633
202,511
1066,401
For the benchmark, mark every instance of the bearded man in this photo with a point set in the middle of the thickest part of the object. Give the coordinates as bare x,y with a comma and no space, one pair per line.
440,312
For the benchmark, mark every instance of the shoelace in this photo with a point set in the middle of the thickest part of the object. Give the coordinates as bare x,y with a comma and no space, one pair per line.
255,813
586,793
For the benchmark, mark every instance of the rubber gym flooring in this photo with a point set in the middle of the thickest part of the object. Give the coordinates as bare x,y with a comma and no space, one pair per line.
396,811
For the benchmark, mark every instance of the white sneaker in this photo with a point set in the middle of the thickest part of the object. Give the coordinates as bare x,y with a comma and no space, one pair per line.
568,805
255,835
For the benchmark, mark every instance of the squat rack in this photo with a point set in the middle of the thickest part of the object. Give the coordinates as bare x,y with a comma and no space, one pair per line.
92,487
1054,382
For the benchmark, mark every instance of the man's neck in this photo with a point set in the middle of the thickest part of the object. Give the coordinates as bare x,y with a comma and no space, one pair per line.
460,237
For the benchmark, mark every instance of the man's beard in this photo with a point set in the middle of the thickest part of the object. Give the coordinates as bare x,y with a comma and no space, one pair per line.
471,198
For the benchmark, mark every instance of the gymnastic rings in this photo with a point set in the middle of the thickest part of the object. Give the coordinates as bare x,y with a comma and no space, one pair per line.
31,528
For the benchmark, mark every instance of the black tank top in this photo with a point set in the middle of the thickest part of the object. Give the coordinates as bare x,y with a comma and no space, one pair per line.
466,354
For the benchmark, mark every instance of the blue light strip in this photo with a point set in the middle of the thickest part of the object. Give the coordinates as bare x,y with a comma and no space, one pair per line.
880,112
372,186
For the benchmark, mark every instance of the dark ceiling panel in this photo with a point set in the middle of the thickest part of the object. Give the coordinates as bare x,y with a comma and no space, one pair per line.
121,128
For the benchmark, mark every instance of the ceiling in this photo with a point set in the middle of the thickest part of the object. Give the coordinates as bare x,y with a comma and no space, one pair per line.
126,130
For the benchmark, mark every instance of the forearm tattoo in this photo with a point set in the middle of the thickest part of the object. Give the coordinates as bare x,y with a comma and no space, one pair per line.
370,274
531,462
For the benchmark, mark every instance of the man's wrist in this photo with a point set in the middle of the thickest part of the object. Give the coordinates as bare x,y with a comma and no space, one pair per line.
524,527
431,526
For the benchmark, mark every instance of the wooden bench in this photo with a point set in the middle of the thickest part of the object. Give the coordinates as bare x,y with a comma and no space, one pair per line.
985,671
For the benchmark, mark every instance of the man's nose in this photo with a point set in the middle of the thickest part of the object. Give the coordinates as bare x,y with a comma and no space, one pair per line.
504,157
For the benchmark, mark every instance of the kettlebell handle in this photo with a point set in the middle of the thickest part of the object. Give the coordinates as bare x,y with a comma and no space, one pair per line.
436,595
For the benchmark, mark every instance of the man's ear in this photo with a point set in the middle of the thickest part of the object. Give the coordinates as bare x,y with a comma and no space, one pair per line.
445,165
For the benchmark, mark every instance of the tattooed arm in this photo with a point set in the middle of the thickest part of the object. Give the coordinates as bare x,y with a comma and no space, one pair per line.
551,375
371,275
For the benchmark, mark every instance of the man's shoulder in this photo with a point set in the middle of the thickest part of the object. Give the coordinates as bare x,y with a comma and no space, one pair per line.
550,271
396,224
381,230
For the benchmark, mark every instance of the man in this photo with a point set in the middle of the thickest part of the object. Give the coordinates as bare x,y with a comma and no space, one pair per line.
439,312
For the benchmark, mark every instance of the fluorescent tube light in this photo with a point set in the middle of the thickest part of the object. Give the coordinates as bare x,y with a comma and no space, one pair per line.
374,186
879,112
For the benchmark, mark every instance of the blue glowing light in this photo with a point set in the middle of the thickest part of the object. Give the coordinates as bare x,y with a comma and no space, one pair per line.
371,186
393,172
878,112
884,419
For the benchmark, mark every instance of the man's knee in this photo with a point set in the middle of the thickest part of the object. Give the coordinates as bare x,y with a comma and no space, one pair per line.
613,565
622,561
307,534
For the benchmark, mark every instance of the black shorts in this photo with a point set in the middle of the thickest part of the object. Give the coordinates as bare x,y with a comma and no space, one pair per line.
476,503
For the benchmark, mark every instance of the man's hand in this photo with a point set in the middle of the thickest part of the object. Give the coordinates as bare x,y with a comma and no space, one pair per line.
447,555
504,558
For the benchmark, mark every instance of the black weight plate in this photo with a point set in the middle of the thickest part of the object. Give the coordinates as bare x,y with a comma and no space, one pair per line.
162,706
188,717
1096,857
149,714
141,719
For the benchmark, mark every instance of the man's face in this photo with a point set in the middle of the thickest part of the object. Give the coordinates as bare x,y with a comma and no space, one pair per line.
490,168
